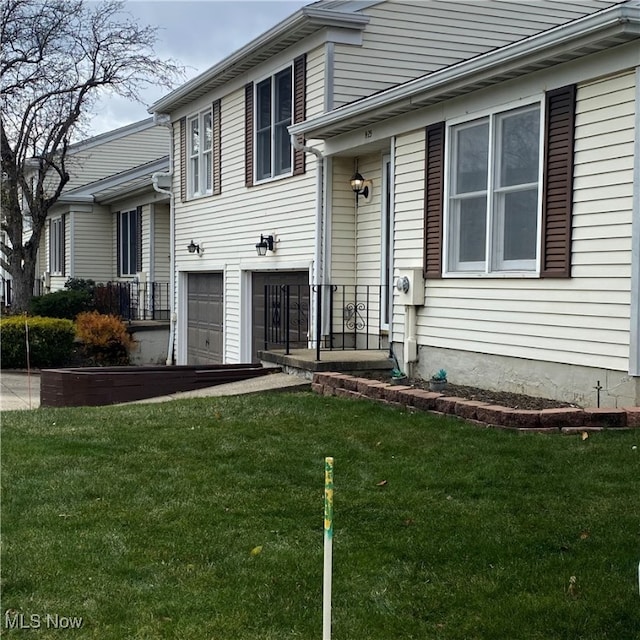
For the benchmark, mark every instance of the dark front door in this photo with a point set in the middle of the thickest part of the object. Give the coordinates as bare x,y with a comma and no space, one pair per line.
280,300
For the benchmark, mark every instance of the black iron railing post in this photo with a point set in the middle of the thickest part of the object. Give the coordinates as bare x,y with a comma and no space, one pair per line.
266,316
287,320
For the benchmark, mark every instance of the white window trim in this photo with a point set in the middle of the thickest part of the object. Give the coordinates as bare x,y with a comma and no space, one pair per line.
271,75
202,190
487,268
386,244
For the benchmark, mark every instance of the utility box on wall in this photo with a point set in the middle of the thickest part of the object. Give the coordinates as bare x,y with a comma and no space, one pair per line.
410,287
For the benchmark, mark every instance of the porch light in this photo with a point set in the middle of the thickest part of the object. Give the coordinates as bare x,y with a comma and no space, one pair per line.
358,186
192,247
266,244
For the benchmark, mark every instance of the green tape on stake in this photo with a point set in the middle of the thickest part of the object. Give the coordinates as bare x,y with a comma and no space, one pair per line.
328,497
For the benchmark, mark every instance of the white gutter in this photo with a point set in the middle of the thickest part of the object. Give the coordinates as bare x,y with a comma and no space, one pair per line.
164,120
612,21
634,336
307,16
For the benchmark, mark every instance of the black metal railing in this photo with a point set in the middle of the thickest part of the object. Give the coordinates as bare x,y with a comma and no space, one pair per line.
348,317
134,300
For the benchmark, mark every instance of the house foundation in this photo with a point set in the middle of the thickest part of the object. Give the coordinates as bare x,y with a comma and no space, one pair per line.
564,382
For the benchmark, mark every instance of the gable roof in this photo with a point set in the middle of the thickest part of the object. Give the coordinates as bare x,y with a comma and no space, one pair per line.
596,32
301,24
116,186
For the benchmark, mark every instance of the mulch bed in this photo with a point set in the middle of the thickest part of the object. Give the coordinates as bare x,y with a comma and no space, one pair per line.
502,398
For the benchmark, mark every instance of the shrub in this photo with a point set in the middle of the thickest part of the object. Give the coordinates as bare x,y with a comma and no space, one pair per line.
50,342
61,304
105,338
81,284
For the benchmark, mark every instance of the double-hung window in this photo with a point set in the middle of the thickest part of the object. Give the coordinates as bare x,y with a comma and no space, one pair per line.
200,134
128,242
56,246
274,110
495,193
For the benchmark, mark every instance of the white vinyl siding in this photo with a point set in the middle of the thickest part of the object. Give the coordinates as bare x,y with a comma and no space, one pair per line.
394,51
343,227
161,246
116,155
94,255
583,320
228,226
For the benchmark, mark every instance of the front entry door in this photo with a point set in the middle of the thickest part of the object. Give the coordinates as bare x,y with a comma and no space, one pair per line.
269,310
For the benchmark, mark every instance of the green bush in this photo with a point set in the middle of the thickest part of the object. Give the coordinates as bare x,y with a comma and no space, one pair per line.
61,304
50,342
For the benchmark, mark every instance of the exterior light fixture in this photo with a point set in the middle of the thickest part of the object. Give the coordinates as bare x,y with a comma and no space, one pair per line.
192,247
358,186
266,244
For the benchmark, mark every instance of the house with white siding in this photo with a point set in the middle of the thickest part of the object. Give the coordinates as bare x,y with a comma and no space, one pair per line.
271,248
110,224
504,209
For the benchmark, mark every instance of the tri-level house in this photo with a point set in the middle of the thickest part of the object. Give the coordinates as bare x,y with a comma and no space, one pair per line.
274,250
110,224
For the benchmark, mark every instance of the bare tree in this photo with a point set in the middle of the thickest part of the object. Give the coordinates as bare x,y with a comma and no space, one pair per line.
58,58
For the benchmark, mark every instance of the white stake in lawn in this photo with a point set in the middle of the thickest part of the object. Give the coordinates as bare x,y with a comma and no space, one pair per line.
328,544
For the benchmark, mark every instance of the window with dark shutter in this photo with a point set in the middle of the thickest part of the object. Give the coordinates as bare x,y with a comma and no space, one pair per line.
217,148
433,200
138,243
557,198
299,107
248,135
183,160
118,248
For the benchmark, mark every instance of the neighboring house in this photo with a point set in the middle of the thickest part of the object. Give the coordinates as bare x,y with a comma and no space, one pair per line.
110,224
512,182
239,183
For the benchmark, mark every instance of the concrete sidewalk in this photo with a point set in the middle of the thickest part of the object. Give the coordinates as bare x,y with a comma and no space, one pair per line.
18,390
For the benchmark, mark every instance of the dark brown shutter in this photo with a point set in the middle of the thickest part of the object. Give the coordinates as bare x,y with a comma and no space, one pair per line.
118,245
51,252
248,135
63,246
299,107
557,192
183,159
217,148
433,200
139,239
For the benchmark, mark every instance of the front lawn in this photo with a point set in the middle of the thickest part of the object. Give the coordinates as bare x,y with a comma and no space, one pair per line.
202,519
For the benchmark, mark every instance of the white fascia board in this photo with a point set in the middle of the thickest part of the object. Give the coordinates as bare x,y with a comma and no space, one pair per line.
544,46
307,16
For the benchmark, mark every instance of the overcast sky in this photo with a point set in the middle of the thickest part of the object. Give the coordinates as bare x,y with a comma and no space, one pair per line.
197,34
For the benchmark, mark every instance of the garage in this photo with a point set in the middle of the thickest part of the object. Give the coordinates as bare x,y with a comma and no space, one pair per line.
205,318
269,309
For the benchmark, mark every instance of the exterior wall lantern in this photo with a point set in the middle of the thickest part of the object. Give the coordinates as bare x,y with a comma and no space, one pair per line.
192,247
359,186
266,243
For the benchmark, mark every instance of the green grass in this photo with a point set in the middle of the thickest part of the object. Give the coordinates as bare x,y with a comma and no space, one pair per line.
141,520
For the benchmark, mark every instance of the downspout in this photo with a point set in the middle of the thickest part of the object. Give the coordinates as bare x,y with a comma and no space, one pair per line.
164,120
319,262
